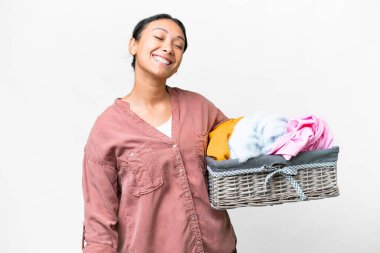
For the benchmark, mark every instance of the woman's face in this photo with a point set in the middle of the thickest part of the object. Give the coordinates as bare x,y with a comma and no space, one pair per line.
159,49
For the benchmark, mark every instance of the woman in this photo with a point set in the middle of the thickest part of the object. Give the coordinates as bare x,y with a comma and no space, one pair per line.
144,182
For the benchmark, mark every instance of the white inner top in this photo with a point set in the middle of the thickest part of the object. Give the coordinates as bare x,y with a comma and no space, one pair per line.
166,128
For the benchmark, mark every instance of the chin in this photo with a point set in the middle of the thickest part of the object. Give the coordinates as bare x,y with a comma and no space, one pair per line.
158,72
163,75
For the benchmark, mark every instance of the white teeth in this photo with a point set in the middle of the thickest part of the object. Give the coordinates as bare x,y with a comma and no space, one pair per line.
160,59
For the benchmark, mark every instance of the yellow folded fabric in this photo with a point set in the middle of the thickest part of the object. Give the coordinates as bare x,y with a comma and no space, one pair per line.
218,140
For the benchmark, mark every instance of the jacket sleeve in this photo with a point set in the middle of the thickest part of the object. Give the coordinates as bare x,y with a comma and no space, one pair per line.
101,203
216,116
219,119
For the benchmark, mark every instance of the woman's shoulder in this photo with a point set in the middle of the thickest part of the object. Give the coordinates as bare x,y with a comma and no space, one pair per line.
105,116
189,95
103,131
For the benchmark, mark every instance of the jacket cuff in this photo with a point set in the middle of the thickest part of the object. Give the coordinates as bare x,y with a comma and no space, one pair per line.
97,248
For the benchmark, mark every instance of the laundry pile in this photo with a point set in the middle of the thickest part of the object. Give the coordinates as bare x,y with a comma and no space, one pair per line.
263,133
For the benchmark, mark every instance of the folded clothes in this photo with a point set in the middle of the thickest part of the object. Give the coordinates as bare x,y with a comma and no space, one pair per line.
303,134
254,135
264,133
218,141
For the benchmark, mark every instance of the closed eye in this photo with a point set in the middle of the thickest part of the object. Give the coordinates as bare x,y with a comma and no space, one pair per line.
159,38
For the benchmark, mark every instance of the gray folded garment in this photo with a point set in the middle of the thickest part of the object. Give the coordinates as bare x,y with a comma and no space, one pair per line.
307,157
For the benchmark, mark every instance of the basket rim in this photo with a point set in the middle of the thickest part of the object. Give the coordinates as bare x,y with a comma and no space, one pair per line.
268,169
303,158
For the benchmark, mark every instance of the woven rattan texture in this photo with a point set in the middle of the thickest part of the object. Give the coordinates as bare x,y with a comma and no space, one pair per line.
248,189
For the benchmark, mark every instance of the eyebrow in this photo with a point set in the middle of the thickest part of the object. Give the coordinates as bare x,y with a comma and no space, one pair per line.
179,37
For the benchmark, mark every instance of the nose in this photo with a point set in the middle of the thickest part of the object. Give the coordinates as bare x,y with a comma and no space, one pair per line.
169,51
168,48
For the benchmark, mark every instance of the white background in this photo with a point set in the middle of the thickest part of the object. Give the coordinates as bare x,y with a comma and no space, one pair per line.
63,62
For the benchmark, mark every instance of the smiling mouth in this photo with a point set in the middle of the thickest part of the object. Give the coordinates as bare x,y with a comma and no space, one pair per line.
161,60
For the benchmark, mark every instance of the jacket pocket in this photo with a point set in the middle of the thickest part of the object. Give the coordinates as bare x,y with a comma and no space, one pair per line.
142,170
201,140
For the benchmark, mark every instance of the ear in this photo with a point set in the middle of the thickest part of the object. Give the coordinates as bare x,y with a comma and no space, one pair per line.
132,46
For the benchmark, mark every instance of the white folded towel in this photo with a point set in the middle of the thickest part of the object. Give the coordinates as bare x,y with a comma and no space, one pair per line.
254,134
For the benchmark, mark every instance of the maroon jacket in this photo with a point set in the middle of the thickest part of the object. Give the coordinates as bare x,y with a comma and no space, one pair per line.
145,192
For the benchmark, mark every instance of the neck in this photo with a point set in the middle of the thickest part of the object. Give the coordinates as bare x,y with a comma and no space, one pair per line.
148,90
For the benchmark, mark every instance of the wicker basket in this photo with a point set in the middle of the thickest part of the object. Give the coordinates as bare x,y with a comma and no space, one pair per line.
271,180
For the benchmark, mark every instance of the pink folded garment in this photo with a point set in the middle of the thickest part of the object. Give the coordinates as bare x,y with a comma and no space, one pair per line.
304,133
